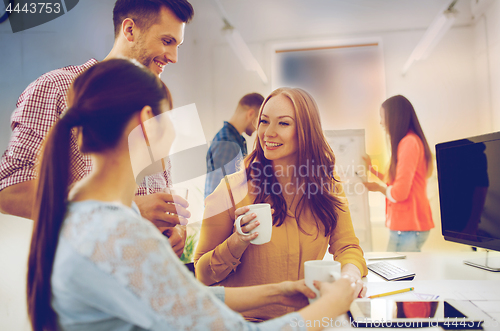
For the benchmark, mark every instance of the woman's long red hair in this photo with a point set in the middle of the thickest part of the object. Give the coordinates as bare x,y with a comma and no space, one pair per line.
314,154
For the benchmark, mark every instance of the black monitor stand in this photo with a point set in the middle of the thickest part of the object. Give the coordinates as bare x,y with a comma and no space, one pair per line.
487,263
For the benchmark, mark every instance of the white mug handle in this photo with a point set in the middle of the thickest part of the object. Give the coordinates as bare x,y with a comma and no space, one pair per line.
237,224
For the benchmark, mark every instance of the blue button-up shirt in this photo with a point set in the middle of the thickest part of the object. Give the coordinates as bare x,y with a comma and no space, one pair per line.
224,156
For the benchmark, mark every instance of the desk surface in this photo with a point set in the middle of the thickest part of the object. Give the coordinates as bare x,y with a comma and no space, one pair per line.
443,274
440,266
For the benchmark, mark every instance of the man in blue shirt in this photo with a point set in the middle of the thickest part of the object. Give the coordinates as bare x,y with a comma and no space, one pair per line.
228,146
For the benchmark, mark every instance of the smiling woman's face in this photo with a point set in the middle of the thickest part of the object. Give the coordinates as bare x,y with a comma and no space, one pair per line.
277,130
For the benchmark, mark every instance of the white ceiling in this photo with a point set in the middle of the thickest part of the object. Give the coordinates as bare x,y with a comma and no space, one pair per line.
259,20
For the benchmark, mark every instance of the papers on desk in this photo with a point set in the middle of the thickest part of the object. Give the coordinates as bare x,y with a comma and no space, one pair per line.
425,297
479,295
492,308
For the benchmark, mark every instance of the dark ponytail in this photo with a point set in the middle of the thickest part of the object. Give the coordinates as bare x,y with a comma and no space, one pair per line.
102,99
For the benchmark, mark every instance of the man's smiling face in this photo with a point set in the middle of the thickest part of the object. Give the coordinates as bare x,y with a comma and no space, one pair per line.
158,45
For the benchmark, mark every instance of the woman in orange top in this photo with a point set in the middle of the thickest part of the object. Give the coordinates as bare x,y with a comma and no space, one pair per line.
292,168
408,213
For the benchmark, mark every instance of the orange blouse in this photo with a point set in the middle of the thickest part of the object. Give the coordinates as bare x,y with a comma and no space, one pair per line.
407,206
278,260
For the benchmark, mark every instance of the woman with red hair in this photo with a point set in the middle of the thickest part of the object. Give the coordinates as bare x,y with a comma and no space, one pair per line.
291,168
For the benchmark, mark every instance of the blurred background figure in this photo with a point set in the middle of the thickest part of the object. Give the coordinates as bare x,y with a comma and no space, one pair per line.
408,213
228,143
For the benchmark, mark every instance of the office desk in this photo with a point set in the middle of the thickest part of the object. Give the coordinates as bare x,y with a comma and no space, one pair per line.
443,274
440,266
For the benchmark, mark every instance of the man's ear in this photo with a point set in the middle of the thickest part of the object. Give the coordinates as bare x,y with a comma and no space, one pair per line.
128,29
250,114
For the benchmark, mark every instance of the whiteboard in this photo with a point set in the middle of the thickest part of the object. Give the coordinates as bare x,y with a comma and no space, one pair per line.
349,147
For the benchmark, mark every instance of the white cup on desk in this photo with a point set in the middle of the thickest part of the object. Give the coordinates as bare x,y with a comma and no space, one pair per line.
320,270
265,218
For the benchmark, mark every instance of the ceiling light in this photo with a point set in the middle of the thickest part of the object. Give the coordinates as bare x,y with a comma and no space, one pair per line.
441,24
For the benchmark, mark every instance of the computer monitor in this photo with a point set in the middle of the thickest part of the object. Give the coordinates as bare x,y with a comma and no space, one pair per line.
469,193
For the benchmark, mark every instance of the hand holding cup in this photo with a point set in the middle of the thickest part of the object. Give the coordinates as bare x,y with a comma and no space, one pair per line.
253,225
261,214
322,271
247,223
175,205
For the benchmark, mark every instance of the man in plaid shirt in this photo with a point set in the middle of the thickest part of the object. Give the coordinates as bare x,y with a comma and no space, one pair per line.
228,143
149,31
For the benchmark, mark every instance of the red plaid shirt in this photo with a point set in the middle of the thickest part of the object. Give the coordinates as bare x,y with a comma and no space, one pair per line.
38,108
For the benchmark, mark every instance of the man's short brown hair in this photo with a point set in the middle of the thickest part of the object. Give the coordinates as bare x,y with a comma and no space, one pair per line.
252,100
145,13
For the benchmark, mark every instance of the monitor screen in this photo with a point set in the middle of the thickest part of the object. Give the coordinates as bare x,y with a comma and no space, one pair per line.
469,190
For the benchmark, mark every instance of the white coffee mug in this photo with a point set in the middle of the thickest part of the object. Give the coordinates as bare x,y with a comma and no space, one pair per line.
320,270
265,228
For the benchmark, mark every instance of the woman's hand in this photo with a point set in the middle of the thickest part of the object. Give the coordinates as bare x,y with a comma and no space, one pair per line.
372,186
351,272
237,243
342,292
358,285
368,162
295,293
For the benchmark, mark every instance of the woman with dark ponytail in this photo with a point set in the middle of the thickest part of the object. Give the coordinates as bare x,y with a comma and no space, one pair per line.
95,263
408,212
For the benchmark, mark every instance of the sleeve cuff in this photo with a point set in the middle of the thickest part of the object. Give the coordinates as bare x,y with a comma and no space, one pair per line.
227,256
388,194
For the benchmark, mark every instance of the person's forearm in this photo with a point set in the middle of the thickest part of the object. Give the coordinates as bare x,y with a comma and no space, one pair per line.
18,199
210,266
383,190
241,299
235,247
351,270
379,175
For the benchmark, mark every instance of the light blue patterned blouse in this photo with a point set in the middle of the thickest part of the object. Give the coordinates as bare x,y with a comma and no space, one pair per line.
113,270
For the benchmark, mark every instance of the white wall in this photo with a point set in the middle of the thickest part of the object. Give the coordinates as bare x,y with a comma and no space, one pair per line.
26,55
442,88
492,49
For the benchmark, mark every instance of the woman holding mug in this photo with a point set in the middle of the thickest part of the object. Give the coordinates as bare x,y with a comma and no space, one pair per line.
408,212
292,169
95,263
